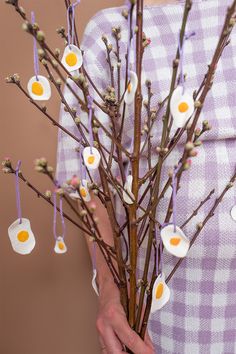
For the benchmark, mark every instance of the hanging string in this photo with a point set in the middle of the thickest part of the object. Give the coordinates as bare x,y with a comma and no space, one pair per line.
18,205
130,36
71,25
174,193
55,216
90,108
181,56
35,50
159,262
83,174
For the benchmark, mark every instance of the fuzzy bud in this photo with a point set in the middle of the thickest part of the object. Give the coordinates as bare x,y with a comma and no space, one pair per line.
40,36
48,194
189,146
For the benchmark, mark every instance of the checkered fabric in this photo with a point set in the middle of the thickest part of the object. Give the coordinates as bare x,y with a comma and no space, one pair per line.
201,314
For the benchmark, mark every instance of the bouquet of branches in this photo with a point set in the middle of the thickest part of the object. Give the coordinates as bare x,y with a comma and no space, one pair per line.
123,173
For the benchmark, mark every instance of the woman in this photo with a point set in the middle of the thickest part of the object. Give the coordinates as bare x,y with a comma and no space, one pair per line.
201,313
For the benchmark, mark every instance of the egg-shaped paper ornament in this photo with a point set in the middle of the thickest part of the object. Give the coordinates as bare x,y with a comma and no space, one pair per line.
94,283
21,236
72,58
84,191
160,293
39,88
128,196
181,106
175,241
91,157
233,212
131,89
60,246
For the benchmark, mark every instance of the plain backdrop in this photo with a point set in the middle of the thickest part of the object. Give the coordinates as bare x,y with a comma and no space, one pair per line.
47,305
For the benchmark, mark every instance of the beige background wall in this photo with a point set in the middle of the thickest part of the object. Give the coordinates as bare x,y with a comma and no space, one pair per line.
47,305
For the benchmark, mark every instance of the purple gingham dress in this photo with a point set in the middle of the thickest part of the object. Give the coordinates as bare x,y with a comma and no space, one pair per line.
201,314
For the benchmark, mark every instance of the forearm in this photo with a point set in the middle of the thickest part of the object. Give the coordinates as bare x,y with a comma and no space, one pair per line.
103,272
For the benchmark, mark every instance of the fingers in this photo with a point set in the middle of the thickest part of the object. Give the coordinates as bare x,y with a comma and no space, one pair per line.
130,338
147,339
110,344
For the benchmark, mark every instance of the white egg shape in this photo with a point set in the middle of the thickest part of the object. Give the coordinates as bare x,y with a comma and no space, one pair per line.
39,88
72,58
94,283
181,106
160,293
127,192
175,242
233,213
60,246
131,89
84,191
21,236
91,157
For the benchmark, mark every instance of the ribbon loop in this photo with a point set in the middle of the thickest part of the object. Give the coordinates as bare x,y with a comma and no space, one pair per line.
35,50
55,216
18,204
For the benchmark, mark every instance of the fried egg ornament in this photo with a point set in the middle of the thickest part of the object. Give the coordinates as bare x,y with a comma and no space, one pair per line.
94,283
74,195
233,213
128,188
160,293
91,157
175,243
84,191
21,236
72,58
181,106
131,89
39,88
60,246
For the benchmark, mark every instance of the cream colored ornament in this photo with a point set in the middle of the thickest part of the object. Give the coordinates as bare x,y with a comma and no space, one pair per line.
60,246
160,293
181,106
39,88
127,192
21,236
94,283
84,191
91,157
175,242
131,89
72,58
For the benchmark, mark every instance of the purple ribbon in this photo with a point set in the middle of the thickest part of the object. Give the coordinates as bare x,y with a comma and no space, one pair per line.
35,50
82,167
18,206
174,193
55,216
71,31
90,107
159,265
181,56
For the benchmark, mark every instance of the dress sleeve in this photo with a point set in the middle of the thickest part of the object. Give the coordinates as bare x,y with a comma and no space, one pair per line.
94,60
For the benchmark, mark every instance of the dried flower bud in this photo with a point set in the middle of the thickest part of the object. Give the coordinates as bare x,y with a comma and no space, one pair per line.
189,146
58,82
6,170
48,194
57,52
41,53
125,14
83,213
59,191
199,226
193,153
26,26
54,63
197,132
39,169
77,120
50,169
44,62
104,38
40,36
205,125
197,104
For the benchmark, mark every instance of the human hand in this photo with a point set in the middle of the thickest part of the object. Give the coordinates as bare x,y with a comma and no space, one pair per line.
113,327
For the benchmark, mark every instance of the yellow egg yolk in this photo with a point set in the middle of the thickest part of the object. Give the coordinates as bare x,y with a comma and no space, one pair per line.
83,192
37,88
23,236
174,241
183,107
159,290
71,59
61,246
91,159
129,88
